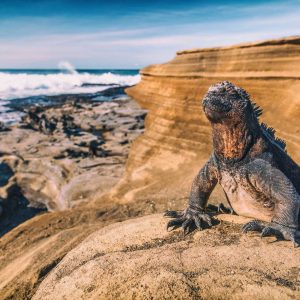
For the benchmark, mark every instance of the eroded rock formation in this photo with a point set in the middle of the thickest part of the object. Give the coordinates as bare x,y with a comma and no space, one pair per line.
177,140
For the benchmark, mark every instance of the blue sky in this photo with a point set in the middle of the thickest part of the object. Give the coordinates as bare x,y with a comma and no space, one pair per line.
132,34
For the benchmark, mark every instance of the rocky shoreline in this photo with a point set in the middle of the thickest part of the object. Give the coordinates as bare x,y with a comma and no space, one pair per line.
65,150
116,245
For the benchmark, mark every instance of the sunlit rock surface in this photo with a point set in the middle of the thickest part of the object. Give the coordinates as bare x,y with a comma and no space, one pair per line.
177,141
139,259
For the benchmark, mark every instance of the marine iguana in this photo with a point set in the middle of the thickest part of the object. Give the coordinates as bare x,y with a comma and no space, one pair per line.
251,164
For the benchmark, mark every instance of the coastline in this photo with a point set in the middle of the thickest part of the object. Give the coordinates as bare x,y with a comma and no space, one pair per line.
88,251
83,154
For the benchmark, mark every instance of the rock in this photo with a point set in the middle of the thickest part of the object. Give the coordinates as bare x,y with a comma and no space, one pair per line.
36,119
31,250
31,119
47,126
63,140
3,127
110,92
124,142
14,207
96,150
139,259
177,141
75,100
5,173
56,172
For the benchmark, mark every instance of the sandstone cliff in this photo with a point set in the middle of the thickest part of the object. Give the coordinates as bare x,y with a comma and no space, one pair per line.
164,160
159,171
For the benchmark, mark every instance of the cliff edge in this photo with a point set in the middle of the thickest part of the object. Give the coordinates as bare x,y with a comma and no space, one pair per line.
177,140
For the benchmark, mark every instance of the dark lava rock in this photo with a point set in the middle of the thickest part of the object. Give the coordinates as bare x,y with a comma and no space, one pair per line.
3,127
96,150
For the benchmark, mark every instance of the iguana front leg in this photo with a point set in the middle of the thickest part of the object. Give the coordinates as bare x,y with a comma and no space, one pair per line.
274,185
194,214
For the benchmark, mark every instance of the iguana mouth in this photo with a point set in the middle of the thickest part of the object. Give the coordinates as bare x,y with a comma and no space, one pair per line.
216,105
215,112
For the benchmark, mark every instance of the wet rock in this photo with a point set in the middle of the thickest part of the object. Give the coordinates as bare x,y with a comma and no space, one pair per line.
3,127
5,173
124,142
71,99
96,150
47,126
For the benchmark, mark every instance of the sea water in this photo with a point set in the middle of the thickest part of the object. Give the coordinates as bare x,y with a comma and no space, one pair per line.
17,84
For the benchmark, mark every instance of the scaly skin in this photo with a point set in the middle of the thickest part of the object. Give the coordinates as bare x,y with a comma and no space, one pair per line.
258,177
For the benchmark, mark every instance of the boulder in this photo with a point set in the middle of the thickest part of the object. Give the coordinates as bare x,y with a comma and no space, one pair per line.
139,259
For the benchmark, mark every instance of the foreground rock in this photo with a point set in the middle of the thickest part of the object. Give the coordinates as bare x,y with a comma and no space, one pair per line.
178,136
29,251
139,259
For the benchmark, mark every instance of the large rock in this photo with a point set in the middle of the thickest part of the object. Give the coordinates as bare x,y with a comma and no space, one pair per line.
177,140
139,259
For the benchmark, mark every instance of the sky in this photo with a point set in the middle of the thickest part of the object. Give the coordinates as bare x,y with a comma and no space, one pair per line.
132,34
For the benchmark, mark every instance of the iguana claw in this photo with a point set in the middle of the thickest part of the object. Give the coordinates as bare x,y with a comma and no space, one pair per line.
254,225
188,219
225,210
220,209
174,223
278,230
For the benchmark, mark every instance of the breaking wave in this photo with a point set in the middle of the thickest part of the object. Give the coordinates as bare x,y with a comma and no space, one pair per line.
21,85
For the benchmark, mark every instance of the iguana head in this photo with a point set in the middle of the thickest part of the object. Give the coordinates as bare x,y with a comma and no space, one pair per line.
234,119
224,102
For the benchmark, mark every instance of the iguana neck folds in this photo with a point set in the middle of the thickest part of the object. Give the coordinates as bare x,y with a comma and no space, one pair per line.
232,142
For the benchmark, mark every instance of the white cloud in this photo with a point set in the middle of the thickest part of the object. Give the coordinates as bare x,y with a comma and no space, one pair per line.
142,46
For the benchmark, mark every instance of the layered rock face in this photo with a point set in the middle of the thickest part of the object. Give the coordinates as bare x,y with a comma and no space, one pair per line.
177,141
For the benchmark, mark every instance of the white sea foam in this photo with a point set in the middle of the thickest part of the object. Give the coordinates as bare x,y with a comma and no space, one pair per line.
68,81
22,85
8,116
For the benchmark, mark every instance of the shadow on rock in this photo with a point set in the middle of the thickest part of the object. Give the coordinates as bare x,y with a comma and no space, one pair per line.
14,208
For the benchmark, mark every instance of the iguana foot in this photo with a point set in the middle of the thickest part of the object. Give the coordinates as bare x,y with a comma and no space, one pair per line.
280,231
220,209
188,220
254,225
225,210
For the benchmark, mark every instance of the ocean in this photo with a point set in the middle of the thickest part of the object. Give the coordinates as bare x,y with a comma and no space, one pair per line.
26,83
